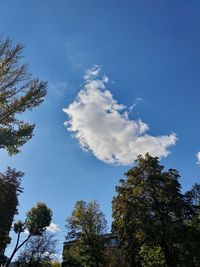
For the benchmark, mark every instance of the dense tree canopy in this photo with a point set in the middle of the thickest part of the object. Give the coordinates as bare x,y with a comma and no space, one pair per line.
10,188
86,227
18,93
38,218
191,230
153,219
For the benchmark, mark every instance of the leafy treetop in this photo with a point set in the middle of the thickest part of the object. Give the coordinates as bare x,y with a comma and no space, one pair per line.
18,93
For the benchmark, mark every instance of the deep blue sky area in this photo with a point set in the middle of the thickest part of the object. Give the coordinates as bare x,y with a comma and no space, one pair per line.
150,50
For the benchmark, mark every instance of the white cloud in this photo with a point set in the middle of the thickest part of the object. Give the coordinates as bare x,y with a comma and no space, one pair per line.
137,100
92,73
53,228
102,125
26,232
198,157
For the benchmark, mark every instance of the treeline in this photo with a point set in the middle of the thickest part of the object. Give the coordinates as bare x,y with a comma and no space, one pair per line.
154,223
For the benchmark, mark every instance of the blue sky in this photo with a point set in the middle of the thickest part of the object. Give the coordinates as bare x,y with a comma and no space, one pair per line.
150,52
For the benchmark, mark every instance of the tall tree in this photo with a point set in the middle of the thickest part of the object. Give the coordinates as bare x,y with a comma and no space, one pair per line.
38,218
18,93
191,232
148,211
10,188
86,227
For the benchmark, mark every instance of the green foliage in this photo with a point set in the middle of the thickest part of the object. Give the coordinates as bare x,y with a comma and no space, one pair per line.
114,258
10,188
190,246
152,256
150,209
35,264
18,93
38,218
85,229
55,264
74,256
19,227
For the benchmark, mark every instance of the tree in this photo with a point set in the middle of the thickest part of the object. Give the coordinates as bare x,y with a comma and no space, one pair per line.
114,258
10,188
55,264
18,93
152,256
148,211
86,227
190,245
39,250
38,218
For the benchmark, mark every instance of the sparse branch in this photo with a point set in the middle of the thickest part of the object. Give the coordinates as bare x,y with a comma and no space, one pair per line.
17,247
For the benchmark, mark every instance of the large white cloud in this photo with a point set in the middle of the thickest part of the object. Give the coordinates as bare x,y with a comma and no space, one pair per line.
102,125
53,228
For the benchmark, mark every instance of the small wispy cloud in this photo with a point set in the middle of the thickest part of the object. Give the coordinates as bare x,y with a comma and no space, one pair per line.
198,157
102,125
53,228
76,57
58,88
92,73
137,100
